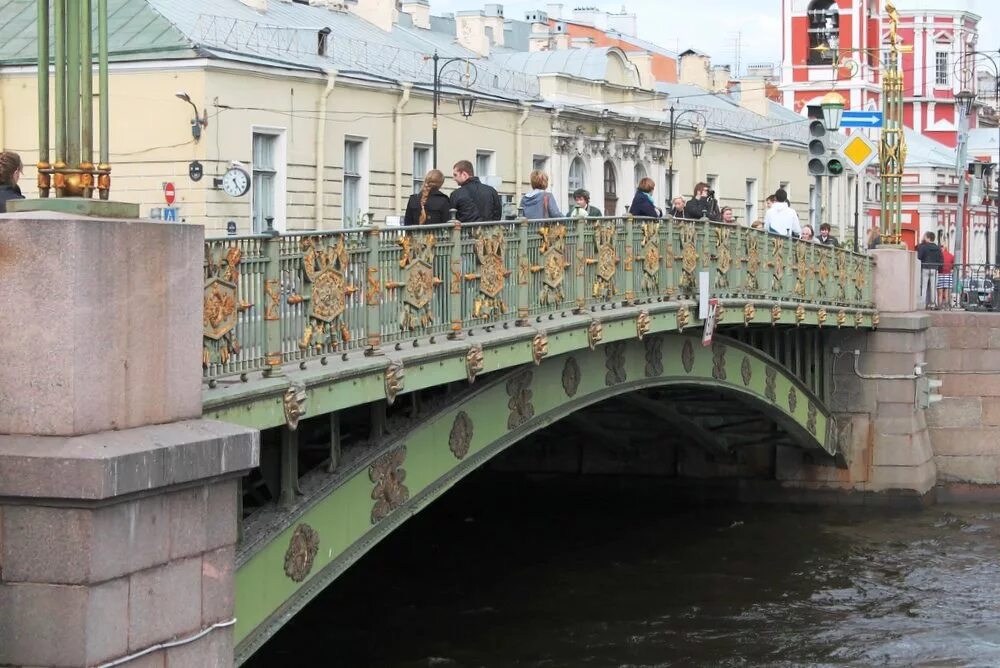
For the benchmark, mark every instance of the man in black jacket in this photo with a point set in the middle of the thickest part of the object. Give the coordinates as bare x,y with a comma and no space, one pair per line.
474,200
931,260
703,204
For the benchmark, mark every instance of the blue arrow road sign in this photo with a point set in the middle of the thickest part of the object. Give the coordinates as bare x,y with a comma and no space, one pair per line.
861,119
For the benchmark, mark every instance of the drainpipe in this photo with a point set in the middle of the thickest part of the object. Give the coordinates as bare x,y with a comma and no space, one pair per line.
397,122
518,151
331,82
773,151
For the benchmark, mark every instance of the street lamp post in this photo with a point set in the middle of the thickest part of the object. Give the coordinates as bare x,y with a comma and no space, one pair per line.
994,62
964,101
466,103
697,145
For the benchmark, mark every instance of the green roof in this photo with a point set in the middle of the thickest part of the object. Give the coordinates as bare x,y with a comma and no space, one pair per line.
134,27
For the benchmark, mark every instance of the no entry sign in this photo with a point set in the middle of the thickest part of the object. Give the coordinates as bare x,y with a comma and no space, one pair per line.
169,193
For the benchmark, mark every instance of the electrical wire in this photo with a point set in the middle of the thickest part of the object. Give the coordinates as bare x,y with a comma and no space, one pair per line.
167,645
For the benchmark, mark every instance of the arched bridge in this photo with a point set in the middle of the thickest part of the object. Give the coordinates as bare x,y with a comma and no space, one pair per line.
386,365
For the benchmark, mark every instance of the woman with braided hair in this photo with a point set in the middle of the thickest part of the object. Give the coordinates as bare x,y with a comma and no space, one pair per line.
430,206
11,168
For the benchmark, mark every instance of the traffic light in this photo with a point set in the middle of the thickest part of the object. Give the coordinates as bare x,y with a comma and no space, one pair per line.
823,158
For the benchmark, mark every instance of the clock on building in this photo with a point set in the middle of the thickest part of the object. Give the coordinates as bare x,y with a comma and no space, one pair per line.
236,181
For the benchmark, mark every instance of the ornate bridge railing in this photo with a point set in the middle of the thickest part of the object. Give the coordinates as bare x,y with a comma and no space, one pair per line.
278,299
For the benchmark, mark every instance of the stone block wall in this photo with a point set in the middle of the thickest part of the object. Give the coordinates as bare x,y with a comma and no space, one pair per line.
963,350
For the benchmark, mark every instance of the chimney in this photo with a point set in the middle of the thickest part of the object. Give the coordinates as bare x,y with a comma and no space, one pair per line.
643,61
753,95
493,17
258,5
626,24
470,31
720,78
561,41
419,11
380,13
555,10
694,69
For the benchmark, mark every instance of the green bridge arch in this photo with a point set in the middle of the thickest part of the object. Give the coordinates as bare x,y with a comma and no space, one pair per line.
347,514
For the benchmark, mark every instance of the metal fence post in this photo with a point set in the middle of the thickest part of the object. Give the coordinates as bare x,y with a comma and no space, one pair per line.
273,354
523,271
580,265
626,281
373,296
455,289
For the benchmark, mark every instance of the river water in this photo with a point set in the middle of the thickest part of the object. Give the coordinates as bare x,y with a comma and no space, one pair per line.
513,571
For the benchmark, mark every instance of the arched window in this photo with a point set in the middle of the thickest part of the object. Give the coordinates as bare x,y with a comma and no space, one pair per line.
610,189
824,31
640,172
576,179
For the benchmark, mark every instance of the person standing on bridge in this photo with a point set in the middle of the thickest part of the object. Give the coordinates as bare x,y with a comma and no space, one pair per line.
474,200
931,261
642,203
780,218
539,204
11,169
430,206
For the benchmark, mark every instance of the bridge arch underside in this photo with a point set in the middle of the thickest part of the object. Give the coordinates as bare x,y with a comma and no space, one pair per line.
725,401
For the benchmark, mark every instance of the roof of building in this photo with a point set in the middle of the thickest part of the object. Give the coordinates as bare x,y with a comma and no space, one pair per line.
984,141
587,63
922,151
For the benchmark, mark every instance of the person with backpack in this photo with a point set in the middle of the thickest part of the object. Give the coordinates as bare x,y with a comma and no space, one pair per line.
539,203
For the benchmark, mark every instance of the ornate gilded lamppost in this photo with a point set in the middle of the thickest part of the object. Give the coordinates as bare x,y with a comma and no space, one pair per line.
67,167
892,151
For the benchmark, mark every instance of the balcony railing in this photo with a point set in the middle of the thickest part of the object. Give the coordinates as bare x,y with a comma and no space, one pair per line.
272,300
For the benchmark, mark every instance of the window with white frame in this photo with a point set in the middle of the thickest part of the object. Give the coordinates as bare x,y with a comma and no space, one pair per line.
576,176
639,173
485,163
268,168
713,181
941,74
751,201
355,181
539,163
421,164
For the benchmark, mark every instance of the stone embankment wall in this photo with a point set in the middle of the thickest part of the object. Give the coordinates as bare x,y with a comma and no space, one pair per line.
963,350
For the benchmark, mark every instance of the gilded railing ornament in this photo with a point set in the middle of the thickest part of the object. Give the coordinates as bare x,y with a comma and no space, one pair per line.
490,250
800,314
687,356
859,319
301,552
460,437
374,290
614,362
539,347
842,273
811,418
821,317
294,404
554,264
793,399
683,318
272,299
325,267
801,269
520,404
720,314
775,314
643,324
859,279
418,281
689,256
724,257
875,320
595,332
751,282
651,257
823,274
746,371
571,377
221,307
770,381
841,318
474,362
606,260
395,379
654,356
388,474
777,263
749,313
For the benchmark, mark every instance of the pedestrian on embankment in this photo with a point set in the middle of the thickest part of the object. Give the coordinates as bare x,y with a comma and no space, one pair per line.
11,169
430,206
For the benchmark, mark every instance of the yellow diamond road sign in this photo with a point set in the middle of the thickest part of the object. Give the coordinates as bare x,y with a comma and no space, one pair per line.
858,152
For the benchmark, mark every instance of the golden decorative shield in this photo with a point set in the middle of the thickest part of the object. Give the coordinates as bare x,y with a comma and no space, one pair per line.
328,295
221,308
493,274
419,284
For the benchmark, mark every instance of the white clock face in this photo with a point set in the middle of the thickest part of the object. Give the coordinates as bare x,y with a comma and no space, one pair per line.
236,182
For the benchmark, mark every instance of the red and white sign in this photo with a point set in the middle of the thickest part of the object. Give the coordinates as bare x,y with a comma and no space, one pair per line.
169,193
710,322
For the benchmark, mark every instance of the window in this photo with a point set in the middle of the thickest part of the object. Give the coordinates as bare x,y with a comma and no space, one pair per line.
539,163
484,164
784,186
824,31
268,172
355,181
421,163
610,189
751,201
576,178
712,180
941,68
639,173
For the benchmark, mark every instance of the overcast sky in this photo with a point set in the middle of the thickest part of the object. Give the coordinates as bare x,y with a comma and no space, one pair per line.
712,25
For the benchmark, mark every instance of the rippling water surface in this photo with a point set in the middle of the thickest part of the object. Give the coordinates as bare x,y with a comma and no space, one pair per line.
507,572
